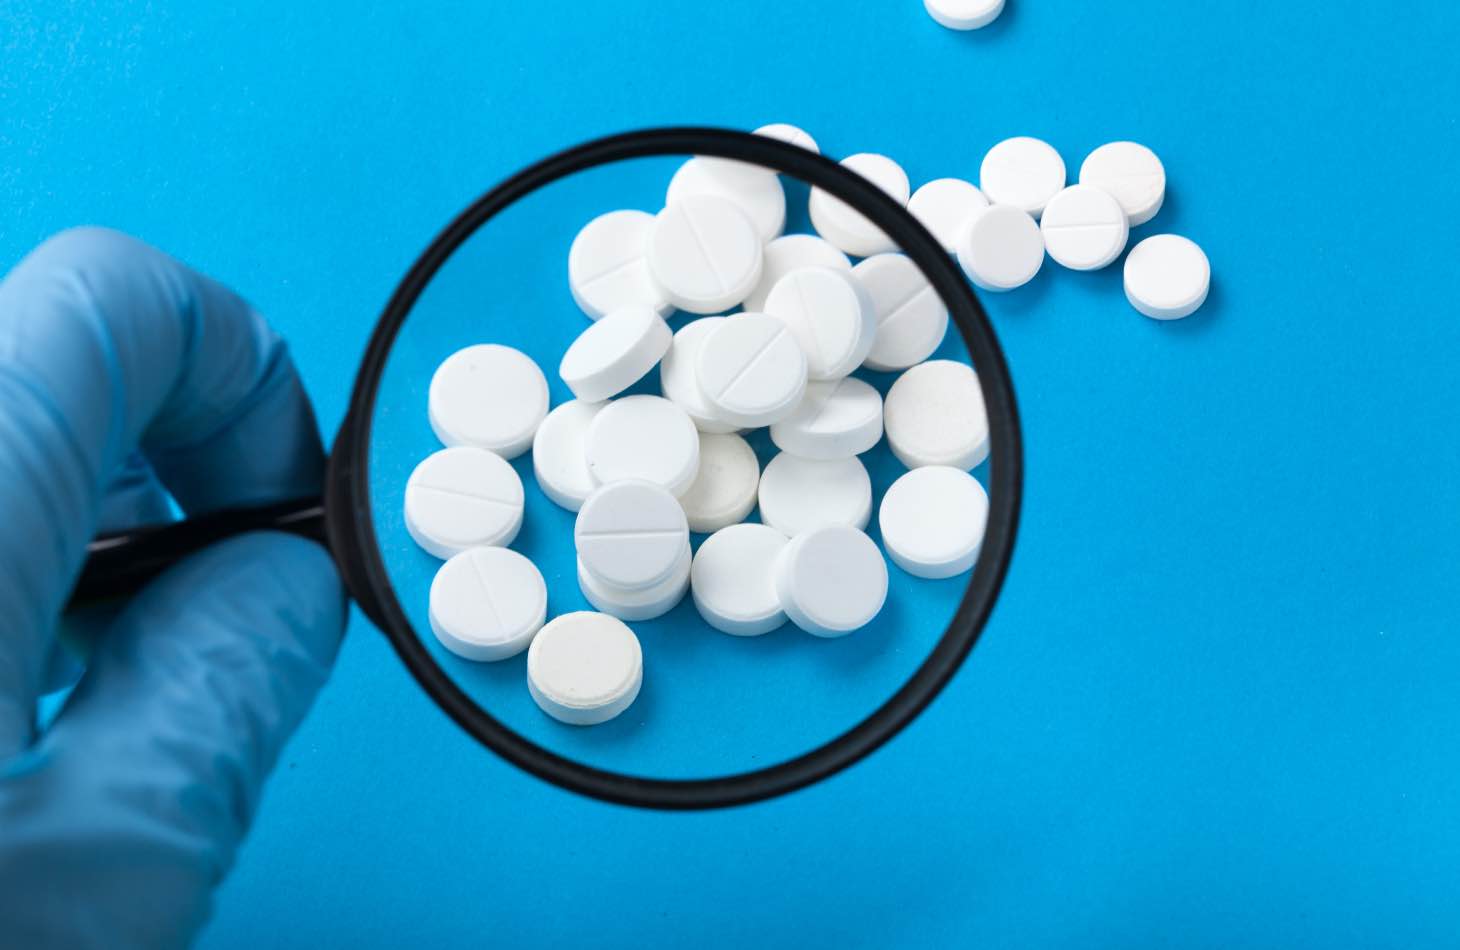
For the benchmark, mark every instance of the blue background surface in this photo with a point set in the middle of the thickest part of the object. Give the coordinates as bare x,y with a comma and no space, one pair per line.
1217,703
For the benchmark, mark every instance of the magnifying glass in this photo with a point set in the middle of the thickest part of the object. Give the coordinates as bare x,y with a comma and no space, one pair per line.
720,720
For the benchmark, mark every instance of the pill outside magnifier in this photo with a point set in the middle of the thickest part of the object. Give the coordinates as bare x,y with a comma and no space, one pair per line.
344,519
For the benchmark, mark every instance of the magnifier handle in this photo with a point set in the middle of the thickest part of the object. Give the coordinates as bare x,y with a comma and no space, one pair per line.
122,563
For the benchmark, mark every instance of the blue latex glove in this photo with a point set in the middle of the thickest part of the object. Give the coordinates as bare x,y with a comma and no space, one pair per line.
121,372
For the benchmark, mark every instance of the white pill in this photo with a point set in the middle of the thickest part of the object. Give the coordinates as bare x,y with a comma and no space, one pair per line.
1167,277
964,14
831,316
584,668
789,253
1024,172
1084,228
733,580
733,171
607,267
644,437
1002,248
759,193
463,497
631,535
560,454
831,581
911,317
1130,172
846,227
935,415
487,603
636,605
705,253
724,490
614,353
945,206
679,376
798,495
752,370
933,521
835,420
489,396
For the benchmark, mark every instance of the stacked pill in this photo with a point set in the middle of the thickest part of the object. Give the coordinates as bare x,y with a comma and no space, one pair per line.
772,331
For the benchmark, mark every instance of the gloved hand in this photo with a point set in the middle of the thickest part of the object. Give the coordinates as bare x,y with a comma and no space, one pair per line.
122,373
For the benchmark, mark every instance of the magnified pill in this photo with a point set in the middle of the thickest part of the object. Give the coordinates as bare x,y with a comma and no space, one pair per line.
679,376
489,396
705,252
752,370
560,454
932,521
584,668
463,497
487,603
911,318
945,207
848,228
643,437
637,605
631,535
614,353
724,491
788,253
607,267
758,193
831,581
835,420
934,415
798,495
733,580
831,316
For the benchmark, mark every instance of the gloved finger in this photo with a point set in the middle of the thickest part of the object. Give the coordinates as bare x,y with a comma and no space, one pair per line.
106,345
160,754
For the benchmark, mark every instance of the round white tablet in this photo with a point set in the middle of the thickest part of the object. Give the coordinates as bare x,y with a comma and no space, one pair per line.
964,14
935,415
607,268
933,521
846,227
487,603
911,317
463,497
733,580
734,172
1002,248
1023,172
489,396
705,253
644,437
1130,172
636,605
614,353
945,206
724,490
752,370
835,420
584,668
631,535
759,194
1167,277
679,376
1084,228
831,316
789,253
560,454
831,581
799,494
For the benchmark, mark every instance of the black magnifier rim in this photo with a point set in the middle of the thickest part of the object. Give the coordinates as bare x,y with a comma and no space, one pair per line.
352,530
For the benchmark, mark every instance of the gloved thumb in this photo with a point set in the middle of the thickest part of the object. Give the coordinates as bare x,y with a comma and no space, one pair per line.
117,824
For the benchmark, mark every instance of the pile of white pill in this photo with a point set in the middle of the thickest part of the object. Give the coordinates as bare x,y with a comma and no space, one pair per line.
778,325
